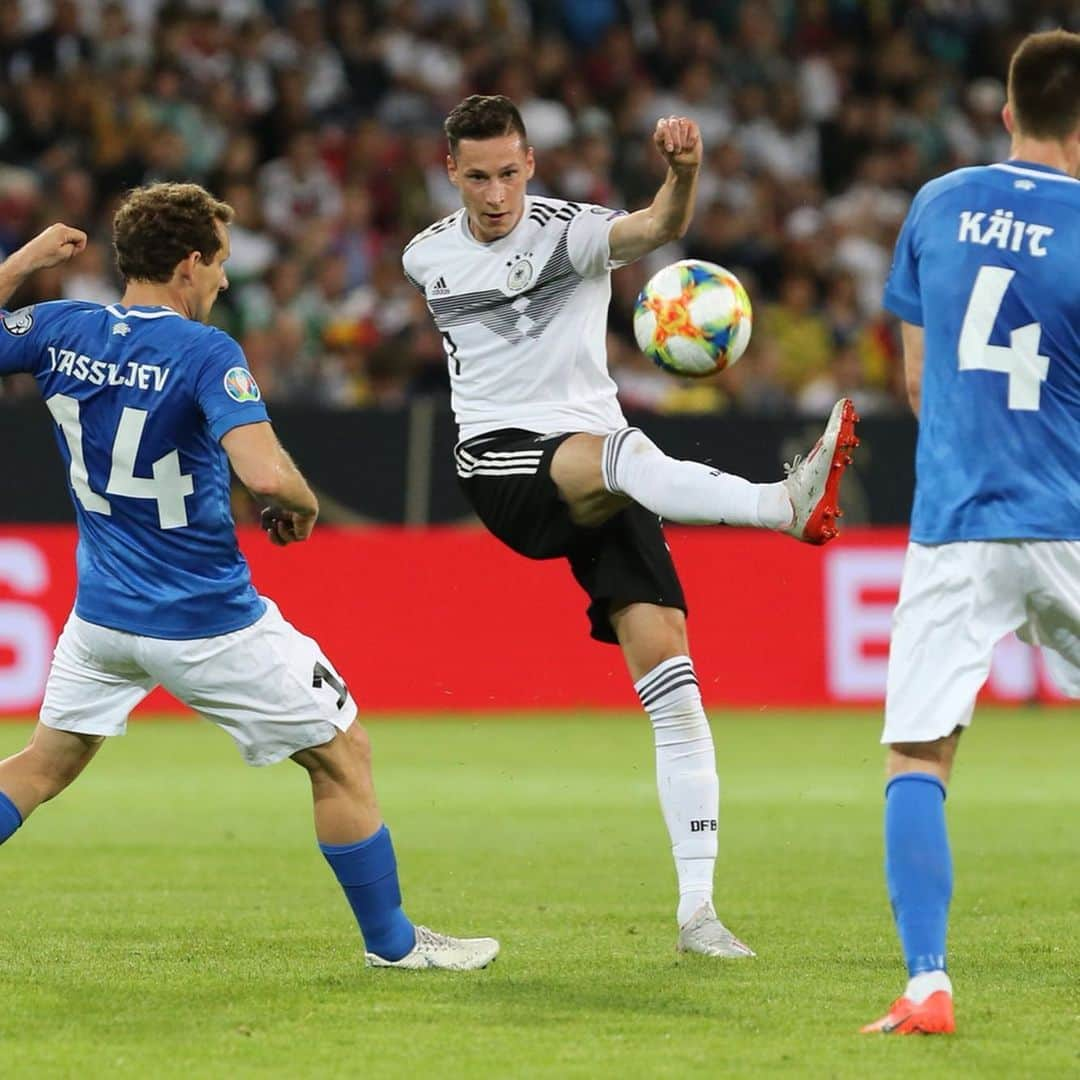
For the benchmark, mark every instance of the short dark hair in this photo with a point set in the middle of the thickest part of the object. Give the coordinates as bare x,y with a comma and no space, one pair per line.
1044,84
483,116
160,225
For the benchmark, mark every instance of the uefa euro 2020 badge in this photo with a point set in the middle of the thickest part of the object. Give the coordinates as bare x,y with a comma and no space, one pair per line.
241,386
19,322
521,273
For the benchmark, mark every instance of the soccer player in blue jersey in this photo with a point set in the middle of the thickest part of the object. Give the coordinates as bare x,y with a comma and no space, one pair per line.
151,407
985,281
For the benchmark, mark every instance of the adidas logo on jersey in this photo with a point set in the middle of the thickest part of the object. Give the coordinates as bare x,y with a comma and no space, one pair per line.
440,288
121,328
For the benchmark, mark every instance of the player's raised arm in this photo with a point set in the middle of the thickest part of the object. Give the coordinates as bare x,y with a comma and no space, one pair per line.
56,244
667,218
267,471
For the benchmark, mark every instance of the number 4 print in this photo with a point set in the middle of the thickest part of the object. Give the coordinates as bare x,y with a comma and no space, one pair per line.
1020,359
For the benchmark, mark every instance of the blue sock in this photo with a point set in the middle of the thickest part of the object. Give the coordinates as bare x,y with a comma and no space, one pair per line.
367,871
918,867
10,818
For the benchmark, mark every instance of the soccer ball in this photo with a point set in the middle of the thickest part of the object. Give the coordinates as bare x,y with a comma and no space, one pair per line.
693,318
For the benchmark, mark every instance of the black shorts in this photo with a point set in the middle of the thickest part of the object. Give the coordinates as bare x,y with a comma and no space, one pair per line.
506,476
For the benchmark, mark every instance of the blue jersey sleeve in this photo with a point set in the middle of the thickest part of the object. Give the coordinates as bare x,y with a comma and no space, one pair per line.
902,296
226,390
18,349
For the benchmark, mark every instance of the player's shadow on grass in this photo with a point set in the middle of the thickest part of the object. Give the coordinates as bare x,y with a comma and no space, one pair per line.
691,986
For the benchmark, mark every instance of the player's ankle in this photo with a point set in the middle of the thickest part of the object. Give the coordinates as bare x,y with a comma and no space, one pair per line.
774,507
691,902
921,986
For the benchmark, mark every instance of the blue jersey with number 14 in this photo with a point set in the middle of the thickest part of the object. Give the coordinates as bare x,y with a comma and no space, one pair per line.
141,398
987,263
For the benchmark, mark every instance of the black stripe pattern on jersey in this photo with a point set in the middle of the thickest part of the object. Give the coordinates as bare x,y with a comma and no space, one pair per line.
541,211
433,230
514,318
650,691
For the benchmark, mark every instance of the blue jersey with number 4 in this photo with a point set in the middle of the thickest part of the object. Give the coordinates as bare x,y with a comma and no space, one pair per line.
141,398
987,263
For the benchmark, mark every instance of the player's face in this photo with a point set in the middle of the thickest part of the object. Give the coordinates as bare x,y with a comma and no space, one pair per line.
209,277
491,175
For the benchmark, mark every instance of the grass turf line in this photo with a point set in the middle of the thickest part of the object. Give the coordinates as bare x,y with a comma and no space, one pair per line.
171,916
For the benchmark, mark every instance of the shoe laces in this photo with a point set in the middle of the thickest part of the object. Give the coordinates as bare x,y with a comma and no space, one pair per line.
714,931
430,939
793,465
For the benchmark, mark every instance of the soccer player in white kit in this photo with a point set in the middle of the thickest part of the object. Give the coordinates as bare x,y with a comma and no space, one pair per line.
519,287
984,279
152,406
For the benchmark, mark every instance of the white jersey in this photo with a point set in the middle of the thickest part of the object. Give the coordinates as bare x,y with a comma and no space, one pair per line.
524,318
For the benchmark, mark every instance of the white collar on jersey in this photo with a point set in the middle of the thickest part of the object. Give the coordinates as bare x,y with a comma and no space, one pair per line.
1043,172
135,313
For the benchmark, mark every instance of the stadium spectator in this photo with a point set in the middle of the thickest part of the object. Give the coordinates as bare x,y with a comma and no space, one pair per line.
799,329
821,123
61,46
298,188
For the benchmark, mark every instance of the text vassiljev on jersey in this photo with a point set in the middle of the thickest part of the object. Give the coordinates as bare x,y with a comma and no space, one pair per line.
105,373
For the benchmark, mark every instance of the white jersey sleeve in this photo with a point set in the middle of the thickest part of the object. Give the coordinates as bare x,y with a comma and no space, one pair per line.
589,240
412,258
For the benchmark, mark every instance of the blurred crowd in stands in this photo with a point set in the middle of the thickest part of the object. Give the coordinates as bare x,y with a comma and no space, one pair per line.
321,124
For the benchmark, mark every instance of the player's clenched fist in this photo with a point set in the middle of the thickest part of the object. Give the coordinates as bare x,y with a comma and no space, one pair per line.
56,244
679,142
286,526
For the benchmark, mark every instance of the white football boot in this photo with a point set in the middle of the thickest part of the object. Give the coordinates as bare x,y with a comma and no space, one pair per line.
705,934
434,950
813,482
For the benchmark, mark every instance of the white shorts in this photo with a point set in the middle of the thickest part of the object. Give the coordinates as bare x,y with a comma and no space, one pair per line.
957,601
270,687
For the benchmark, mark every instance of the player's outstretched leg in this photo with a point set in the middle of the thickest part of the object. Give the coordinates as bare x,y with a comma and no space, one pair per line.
805,505
51,761
918,868
358,848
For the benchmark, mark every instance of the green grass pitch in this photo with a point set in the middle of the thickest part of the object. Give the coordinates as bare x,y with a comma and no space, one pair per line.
170,916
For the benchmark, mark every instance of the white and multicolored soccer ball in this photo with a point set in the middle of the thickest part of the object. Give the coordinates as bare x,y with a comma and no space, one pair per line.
693,318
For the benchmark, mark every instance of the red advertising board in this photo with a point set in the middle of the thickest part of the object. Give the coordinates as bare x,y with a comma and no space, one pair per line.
448,619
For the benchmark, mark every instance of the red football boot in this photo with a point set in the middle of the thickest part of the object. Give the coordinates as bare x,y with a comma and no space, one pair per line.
813,482
934,1016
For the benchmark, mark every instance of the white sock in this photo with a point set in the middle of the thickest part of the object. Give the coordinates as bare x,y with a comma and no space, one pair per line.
688,491
921,986
685,776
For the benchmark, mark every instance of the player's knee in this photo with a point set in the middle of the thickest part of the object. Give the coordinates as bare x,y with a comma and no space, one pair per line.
54,770
650,634
937,755
576,467
899,753
342,762
359,745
